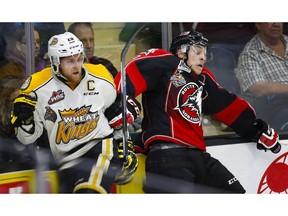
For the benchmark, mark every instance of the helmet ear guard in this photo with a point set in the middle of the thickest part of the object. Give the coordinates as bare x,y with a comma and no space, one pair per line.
184,48
54,60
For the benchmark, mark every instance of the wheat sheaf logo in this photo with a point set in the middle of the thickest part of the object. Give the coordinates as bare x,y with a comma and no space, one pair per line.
54,41
76,124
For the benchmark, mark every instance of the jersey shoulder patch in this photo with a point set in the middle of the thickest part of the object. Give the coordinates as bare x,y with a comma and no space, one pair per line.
36,80
99,71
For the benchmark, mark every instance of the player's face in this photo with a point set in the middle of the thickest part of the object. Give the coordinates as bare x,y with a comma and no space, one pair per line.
71,68
196,58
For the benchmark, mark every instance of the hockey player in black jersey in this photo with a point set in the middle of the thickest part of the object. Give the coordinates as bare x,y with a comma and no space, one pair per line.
176,90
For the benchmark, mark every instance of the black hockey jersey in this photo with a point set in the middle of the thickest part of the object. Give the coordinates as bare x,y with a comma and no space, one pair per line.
174,99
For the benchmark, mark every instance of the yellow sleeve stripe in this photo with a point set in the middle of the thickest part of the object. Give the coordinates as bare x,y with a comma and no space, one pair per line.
24,99
100,71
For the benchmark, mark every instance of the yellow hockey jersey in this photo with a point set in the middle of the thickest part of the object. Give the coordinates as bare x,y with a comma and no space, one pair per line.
74,119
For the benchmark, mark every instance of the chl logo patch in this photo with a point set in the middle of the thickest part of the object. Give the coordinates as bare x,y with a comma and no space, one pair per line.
56,97
189,102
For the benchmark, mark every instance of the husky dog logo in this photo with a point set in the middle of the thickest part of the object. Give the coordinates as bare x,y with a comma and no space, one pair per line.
189,102
54,41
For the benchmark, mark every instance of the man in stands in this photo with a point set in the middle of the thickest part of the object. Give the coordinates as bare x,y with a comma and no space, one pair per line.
84,31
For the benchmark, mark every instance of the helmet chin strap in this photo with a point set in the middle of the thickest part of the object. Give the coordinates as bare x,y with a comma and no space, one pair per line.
185,61
57,72
61,76
185,58
190,66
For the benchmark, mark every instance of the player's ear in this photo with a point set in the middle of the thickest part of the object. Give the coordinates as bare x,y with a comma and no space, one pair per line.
180,54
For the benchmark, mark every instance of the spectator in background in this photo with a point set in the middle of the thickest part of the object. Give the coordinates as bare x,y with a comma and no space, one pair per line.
263,73
46,31
16,50
13,155
227,40
84,31
6,32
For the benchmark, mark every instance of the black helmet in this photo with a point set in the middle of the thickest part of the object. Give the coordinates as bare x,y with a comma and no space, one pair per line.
187,38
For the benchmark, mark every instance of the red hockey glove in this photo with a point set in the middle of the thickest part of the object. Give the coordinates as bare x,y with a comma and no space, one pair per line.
267,137
129,167
116,122
114,112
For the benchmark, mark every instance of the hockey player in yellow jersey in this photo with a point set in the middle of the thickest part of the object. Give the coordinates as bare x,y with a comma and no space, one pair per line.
79,107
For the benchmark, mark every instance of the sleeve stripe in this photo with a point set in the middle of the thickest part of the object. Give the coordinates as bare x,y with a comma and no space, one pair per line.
232,112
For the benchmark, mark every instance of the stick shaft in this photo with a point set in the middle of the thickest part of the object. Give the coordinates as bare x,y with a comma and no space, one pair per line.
124,91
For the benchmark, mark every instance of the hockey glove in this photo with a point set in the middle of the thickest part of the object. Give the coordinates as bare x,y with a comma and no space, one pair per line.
267,137
129,166
114,112
24,106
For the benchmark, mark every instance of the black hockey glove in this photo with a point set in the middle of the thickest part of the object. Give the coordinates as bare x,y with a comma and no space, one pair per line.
114,112
267,137
24,106
129,167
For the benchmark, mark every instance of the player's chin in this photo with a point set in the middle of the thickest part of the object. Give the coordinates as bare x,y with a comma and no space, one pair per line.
197,70
75,78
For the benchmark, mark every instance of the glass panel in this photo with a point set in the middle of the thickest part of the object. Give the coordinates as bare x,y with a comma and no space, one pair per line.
23,51
14,156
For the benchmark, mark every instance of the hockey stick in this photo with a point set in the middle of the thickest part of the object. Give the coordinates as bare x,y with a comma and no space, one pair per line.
123,90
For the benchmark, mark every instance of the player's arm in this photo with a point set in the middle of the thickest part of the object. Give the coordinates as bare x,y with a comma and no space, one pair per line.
240,116
22,117
266,137
114,112
146,70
